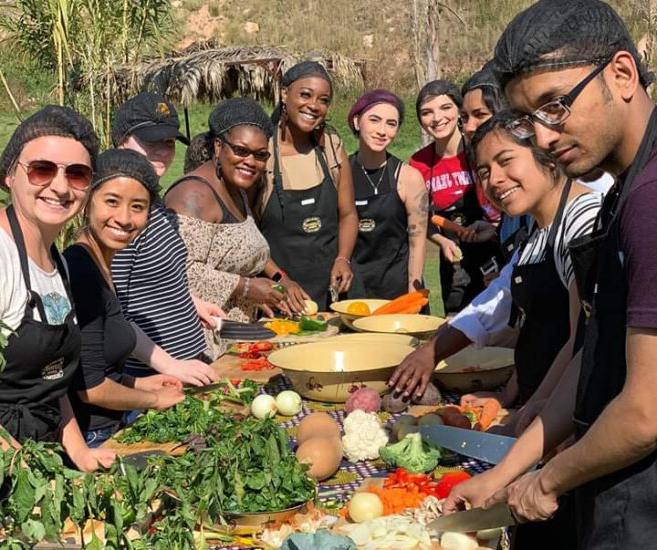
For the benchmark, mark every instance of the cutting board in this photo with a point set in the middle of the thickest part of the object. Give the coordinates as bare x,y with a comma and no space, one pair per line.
229,366
125,449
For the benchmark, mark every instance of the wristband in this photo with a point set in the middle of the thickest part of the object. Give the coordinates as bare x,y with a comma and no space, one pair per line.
276,277
343,259
245,288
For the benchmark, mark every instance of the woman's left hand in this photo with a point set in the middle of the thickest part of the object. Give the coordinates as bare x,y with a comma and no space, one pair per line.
294,295
341,275
90,460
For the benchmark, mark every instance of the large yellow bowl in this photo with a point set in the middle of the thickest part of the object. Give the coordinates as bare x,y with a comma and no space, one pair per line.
420,326
374,339
475,369
348,318
326,371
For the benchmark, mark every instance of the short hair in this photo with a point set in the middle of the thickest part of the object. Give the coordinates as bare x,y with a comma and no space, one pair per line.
437,88
199,152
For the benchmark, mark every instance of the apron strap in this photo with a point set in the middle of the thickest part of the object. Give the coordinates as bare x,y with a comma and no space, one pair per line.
552,236
34,300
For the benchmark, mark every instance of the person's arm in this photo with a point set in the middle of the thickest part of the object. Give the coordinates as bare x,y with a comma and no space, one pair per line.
83,457
194,199
414,194
119,397
294,293
341,273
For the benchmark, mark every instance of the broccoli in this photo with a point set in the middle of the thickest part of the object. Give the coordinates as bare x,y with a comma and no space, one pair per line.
412,454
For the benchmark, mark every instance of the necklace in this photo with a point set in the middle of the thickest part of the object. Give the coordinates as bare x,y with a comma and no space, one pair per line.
378,183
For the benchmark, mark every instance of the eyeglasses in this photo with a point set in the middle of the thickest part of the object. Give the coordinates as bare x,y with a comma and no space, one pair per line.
244,152
42,172
554,112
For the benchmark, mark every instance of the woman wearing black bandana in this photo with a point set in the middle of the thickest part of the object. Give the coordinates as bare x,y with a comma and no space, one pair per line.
306,209
47,167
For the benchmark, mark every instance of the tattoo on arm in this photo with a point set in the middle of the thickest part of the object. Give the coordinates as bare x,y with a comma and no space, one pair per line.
192,203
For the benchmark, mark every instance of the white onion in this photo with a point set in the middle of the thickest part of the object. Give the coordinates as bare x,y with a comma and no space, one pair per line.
457,541
364,507
288,403
263,405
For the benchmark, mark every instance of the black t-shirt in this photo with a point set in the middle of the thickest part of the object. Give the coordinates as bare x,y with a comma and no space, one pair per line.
107,338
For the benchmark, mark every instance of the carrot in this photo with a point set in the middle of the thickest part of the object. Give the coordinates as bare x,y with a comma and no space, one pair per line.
489,413
399,304
447,225
396,499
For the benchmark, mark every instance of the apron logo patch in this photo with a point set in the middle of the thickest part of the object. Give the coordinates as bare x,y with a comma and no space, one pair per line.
312,224
306,202
54,370
366,225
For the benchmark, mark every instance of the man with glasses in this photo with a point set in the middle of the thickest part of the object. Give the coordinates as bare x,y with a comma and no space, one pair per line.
571,68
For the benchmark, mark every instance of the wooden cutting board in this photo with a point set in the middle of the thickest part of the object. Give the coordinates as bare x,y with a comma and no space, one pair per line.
229,366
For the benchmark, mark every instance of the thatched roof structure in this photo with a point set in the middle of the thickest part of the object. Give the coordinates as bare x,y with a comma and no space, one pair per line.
203,72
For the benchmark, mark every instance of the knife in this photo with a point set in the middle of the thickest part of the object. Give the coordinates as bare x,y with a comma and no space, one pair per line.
476,519
482,446
233,330
192,390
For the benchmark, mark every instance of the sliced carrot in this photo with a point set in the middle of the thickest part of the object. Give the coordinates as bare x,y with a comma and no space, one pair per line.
489,413
447,225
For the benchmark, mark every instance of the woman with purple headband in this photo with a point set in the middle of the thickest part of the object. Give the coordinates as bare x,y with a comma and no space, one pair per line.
391,200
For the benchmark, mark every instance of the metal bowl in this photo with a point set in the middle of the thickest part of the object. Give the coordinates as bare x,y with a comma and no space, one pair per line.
261,518
420,326
476,369
348,318
326,371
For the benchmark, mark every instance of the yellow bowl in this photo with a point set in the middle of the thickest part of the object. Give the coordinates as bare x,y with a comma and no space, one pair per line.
475,369
374,339
348,318
420,326
326,371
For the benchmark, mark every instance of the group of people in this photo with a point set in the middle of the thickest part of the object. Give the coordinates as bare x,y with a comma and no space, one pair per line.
272,211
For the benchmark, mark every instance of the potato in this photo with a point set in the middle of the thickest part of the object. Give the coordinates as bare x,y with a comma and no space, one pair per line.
394,404
431,396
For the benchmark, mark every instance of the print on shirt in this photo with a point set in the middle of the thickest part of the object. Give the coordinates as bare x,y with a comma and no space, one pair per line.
57,308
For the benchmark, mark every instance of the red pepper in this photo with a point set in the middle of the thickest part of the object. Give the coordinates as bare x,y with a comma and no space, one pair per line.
261,346
448,481
250,355
256,364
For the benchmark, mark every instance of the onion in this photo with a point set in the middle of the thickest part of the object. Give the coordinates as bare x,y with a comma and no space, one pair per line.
457,541
364,507
288,403
263,406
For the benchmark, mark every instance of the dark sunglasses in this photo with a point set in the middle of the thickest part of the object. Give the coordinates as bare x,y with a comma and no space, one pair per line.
42,172
244,152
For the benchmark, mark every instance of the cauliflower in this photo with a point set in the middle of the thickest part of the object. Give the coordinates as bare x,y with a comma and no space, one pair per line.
363,436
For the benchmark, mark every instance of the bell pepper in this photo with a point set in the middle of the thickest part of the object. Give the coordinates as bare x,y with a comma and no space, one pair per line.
312,325
448,481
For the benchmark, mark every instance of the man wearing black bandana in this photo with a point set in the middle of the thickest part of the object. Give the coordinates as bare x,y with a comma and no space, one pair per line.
571,68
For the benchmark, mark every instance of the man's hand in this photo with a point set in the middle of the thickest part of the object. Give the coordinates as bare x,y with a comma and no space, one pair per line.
156,382
167,397
527,499
90,460
192,371
474,492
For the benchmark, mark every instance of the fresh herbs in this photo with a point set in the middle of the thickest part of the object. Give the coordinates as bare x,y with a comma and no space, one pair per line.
191,416
4,340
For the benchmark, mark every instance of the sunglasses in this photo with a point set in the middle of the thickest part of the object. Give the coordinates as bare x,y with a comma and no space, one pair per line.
244,152
42,172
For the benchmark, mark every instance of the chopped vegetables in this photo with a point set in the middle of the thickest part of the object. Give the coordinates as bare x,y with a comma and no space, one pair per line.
412,454
398,532
397,499
413,302
256,364
448,481
283,327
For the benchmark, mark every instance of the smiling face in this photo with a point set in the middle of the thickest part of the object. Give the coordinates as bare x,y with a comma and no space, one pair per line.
117,212
510,175
159,153
242,171
474,112
378,126
439,117
307,101
594,127
54,204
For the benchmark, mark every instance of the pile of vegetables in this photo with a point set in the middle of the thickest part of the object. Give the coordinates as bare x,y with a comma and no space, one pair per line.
254,355
191,416
304,327
476,415
413,302
287,402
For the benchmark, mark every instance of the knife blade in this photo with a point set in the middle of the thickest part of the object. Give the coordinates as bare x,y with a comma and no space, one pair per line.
482,446
192,390
233,330
476,519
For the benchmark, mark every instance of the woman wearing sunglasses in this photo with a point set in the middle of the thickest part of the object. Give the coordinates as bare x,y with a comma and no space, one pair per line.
446,171
391,200
47,168
226,251
117,210
306,207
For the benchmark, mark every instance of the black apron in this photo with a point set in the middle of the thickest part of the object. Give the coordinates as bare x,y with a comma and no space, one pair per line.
541,308
301,227
514,241
617,511
462,281
381,254
41,359
541,311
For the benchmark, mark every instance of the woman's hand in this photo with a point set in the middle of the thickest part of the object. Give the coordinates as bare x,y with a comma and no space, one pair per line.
90,460
479,232
414,372
192,371
294,295
206,311
156,382
473,492
262,291
450,250
341,275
